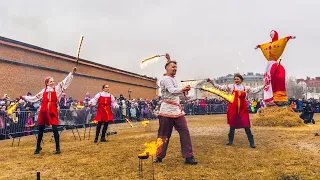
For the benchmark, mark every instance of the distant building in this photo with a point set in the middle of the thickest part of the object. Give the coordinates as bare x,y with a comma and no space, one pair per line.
311,87
250,79
24,66
312,84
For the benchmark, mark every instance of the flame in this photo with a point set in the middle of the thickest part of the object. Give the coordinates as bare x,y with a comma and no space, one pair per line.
228,97
94,122
31,125
12,108
145,123
145,62
150,149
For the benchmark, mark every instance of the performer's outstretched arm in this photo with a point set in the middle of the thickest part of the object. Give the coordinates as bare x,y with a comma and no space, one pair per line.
290,37
114,103
63,85
35,98
94,100
254,90
220,87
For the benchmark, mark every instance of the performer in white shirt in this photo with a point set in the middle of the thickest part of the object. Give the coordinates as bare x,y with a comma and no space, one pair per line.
104,114
171,115
48,114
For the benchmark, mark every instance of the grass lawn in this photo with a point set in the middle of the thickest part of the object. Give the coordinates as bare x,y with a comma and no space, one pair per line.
281,153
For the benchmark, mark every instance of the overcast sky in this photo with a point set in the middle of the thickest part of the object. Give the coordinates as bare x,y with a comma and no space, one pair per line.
208,38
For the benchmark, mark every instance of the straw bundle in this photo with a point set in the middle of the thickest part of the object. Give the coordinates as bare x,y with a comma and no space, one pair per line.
277,116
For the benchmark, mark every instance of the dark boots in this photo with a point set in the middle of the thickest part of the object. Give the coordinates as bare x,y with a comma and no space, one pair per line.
250,137
40,135
251,140
97,132
57,145
104,130
191,161
157,160
248,132
56,138
230,136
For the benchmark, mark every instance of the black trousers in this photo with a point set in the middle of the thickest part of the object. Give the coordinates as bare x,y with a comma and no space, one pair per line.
104,130
55,134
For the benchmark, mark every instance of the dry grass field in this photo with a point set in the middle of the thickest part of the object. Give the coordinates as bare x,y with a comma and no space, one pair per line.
281,153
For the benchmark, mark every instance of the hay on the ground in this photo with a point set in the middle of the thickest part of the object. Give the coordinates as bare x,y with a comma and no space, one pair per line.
277,116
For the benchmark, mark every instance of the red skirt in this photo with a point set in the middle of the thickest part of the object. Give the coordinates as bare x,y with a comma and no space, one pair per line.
46,117
238,114
104,114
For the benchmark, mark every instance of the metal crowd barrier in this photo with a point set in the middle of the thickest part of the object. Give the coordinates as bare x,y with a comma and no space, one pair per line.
17,125
192,109
24,123
3,126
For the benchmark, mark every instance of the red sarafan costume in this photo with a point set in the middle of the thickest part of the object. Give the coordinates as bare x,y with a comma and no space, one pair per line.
105,100
238,114
48,114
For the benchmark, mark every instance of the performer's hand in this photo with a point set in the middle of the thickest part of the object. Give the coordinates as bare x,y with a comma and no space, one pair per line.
209,81
168,57
74,70
186,89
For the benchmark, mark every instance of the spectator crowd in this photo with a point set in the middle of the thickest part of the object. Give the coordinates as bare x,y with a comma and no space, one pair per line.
133,109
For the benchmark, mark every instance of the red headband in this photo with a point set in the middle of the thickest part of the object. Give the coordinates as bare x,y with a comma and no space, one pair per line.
46,80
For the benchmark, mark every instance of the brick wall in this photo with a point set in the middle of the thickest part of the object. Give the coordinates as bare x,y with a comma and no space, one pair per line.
23,69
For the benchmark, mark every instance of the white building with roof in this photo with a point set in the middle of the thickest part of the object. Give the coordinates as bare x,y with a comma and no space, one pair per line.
250,79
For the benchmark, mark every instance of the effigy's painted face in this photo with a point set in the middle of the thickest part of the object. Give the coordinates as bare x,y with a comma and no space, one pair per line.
272,34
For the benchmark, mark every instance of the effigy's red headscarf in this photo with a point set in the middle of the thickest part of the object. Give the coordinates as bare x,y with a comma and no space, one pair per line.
274,35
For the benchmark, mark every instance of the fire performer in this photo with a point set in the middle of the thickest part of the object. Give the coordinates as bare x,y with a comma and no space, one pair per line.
104,114
48,114
238,114
171,115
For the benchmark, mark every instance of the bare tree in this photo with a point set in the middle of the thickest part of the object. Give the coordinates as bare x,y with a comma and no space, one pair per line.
294,89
